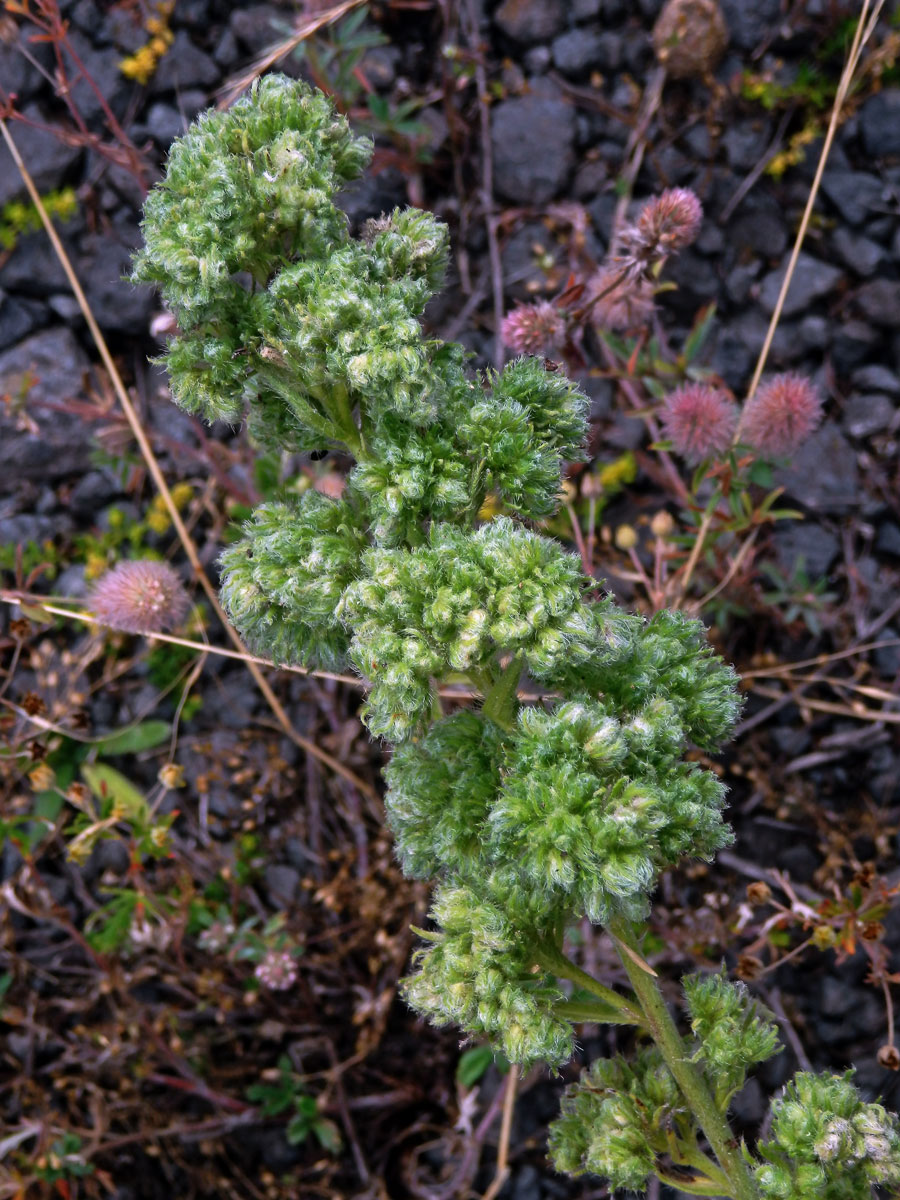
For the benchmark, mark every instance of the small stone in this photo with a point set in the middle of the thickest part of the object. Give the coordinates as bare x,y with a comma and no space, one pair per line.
102,66
815,332
854,342
879,120
887,658
578,51
255,26
876,378
749,23
529,21
745,142
817,546
54,361
823,475
283,884
865,415
586,10
812,280
887,539
48,159
19,318
164,123
184,65
854,194
879,302
117,304
517,127
857,253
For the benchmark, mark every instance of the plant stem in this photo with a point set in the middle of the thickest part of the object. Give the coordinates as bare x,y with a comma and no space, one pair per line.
500,702
553,959
693,1086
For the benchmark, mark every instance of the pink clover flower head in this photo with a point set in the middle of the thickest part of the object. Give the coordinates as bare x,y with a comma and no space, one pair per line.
623,302
538,328
781,415
140,597
277,970
667,223
699,421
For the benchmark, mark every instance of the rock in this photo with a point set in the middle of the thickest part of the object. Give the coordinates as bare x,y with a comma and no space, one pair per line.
164,123
372,195
749,24
102,65
520,125
815,332
529,21
537,60
184,65
750,1104
62,446
379,65
33,268
835,997
19,318
586,10
857,253
887,539
93,491
123,27
526,1184
876,378
853,343
854,194
256,27
879,302
580,50
865,415
524,257
26,527
282,884
799,861
745,142
812,280
117,304
887,661
879,121
818,547
823,474
49,160
227,53
22,78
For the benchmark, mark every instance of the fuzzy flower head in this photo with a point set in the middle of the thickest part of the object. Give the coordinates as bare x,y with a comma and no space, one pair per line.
538,328
699,421
781,415
666,224
140,597
618,302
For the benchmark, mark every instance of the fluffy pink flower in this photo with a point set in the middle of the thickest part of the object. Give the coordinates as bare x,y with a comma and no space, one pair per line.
622,303
782,414
667,223
699,421
534,328
140,597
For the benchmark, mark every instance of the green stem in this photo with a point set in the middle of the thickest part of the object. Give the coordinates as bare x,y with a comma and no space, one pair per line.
696,1187
688,1077
553,960
500,702
601,1014
349,429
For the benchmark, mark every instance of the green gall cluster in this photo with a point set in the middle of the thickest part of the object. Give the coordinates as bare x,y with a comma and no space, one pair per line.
827,1143
731,1034
283,583
454,605
440,791
615,1120
479,973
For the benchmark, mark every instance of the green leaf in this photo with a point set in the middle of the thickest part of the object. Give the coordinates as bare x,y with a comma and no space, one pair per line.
761,474
47,805
473,1064
133,740
112,788
328,1135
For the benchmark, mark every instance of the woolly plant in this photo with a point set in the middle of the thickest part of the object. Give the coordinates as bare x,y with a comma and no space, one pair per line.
529,816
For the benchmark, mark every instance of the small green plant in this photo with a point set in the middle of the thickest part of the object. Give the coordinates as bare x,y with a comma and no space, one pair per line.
18,218
282,1093
530,815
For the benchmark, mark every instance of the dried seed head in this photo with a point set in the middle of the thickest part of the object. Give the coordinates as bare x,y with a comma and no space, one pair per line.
140,597
690,37
538,328
781,415
699,421
759,893
889,1058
